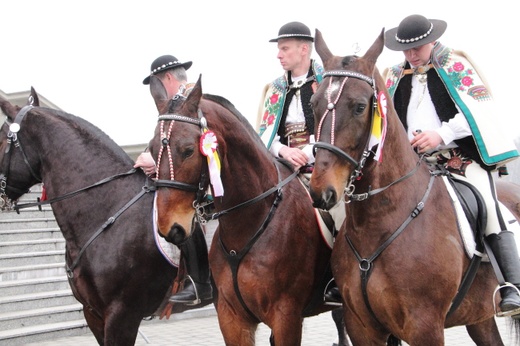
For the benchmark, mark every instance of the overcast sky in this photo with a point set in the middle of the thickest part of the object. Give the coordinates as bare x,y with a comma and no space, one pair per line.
90,57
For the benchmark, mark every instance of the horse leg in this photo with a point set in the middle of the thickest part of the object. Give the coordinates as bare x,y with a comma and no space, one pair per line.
287,330
95,324
121,327
337,316
485,333
236,331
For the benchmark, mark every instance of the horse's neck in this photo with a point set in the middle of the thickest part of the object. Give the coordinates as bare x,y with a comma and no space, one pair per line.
399,168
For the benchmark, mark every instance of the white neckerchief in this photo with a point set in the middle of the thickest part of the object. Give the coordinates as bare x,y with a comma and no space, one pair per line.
295,111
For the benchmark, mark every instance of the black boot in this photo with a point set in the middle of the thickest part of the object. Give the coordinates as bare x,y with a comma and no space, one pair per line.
197,285
332,295
504,248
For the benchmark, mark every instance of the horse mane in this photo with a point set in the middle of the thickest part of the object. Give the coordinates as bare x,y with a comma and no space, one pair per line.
87,131
222,101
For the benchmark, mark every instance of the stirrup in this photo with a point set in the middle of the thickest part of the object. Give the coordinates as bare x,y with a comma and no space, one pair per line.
325,302
509,313
197,300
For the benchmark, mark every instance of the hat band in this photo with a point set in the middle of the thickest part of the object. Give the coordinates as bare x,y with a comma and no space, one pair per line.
410,40
294,35
163,66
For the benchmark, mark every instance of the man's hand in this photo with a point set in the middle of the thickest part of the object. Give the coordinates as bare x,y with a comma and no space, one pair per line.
425,141
146,163
294,155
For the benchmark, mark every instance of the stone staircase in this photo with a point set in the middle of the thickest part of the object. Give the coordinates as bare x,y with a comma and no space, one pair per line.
36,302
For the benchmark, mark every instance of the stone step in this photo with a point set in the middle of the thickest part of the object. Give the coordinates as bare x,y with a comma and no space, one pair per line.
18,319
28,258
30,234
36,300
27,213
42,332
40,222
32,271
37,245
36,285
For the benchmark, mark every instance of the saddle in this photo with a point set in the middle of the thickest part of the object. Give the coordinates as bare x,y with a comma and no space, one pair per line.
474,208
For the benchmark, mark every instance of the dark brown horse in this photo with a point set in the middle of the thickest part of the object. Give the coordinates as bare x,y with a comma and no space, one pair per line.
103,209
399,260
268,258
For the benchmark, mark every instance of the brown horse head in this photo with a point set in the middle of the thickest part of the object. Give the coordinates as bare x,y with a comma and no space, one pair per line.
344,103
176,161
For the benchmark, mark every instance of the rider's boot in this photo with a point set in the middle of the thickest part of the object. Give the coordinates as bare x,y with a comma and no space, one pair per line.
197,285
332,295
504,248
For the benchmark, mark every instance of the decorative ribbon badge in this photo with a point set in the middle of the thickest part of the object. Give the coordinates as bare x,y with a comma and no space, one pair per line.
379,126
208,147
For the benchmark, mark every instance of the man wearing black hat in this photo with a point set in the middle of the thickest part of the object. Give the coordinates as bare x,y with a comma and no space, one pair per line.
448,112
286,119
172,74
197,286
285,116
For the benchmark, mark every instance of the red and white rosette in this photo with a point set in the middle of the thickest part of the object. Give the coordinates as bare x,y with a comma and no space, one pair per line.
208,148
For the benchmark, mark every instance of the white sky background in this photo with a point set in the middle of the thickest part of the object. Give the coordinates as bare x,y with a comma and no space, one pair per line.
89,58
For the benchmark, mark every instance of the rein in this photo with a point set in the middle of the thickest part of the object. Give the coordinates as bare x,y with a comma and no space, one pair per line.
110,221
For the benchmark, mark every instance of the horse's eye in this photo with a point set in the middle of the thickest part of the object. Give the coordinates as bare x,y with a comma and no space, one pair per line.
360,108
188,152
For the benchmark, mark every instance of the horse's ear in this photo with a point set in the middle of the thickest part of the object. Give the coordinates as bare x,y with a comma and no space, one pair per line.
159,94
35,99
376,49
322,49
192,102
8,108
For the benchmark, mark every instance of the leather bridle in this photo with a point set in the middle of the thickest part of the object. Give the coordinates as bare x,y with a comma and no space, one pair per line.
14,143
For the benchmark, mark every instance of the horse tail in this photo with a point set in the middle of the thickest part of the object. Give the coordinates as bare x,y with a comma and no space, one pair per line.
393,341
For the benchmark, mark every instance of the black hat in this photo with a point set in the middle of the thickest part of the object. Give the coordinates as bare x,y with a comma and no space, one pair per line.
414,31
294,30
164,63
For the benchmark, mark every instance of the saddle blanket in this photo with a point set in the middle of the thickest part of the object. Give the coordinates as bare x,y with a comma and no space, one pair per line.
169,251
466,233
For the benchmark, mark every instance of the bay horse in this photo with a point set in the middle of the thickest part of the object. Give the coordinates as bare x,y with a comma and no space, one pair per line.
398,259
104,210
268,258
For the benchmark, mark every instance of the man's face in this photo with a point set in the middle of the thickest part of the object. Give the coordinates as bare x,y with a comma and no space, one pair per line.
290,53
420,55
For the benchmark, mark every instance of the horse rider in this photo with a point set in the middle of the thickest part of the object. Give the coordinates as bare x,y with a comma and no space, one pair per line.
285,119
448,113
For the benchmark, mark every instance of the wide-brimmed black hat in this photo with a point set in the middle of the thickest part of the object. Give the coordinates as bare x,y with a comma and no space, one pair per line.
164,63
414,31
294,30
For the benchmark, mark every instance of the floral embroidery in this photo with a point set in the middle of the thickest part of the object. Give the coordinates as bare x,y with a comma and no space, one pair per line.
461,78
272,107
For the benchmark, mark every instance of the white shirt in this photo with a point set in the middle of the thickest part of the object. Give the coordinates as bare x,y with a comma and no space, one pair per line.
422,116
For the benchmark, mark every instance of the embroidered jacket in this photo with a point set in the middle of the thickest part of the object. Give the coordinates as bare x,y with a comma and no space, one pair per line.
454,79
272,105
